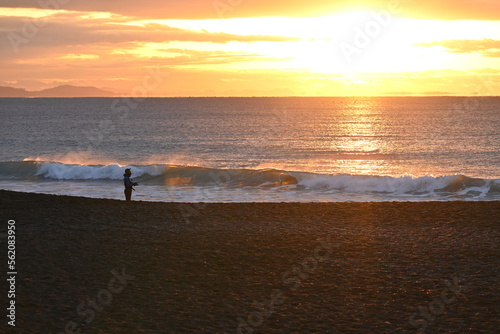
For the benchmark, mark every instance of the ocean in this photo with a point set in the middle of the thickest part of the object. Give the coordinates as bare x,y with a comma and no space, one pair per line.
276,149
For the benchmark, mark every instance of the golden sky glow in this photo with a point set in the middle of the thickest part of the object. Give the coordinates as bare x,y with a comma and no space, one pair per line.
244,48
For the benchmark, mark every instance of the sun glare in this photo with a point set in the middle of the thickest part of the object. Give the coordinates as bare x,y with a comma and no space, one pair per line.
348,42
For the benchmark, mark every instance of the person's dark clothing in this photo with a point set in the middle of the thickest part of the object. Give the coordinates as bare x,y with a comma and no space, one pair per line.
128,187
127,182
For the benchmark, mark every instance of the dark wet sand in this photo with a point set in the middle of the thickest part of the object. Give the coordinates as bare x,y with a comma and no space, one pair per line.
313,268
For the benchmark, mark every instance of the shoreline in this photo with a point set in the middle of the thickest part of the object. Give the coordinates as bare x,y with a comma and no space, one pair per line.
271,196
195,204
337,267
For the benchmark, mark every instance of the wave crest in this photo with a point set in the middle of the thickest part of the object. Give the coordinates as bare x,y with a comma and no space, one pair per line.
180,176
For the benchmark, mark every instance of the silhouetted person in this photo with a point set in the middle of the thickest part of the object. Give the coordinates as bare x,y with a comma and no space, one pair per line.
129,185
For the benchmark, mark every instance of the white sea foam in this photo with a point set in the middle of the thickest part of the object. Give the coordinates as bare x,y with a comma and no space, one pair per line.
59,171
187,183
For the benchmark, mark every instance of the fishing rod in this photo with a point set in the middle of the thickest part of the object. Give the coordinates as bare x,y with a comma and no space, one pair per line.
151,178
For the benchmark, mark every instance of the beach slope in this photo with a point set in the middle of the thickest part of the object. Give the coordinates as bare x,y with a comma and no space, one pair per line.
105,266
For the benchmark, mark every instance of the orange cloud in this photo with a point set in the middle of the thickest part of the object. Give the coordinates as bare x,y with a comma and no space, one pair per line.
486,46
112,51
67,29
205,9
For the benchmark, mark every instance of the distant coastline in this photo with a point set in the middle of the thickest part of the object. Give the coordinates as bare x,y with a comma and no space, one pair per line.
59,91
71,91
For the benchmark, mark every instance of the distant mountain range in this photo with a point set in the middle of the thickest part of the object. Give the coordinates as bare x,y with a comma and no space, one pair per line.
59,91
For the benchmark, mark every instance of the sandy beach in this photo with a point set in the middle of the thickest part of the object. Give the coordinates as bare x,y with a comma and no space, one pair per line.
105,266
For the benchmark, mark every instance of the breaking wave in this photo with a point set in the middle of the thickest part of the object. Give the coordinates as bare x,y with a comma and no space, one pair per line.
180,176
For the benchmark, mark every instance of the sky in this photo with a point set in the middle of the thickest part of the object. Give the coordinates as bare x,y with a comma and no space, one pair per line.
253,47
